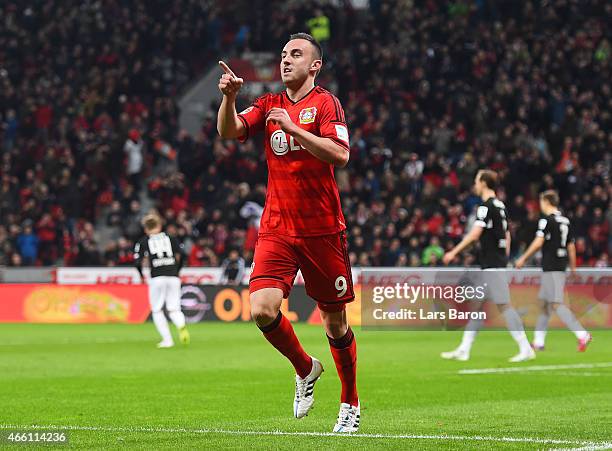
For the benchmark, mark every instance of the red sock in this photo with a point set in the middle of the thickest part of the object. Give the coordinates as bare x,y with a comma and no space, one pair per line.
344,351
281,335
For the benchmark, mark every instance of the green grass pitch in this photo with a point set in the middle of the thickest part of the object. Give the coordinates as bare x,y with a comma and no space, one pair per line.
230,389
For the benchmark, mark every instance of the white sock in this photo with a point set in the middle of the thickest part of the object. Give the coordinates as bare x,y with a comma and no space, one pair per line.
539,338
571,322
469,334
161,323
539,335
177,317
515,326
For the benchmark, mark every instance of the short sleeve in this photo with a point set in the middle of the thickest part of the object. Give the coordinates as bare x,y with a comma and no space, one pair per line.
253,118
542,227
332,123
570,234
139,250
482,216
177,246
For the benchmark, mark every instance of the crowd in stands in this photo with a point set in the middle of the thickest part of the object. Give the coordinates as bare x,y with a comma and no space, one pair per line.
432,91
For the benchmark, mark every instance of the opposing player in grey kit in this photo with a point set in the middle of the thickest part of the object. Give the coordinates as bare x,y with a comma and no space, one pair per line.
556,239
491,230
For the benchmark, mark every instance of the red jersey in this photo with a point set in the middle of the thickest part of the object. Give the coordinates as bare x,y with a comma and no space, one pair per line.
302,197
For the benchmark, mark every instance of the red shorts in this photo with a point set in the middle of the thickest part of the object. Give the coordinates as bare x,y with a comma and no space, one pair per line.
323,260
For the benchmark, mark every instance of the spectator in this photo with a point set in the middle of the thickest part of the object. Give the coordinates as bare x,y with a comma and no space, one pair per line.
114,218
47,236
433,252
232,268
27,243
16,260
319,27
133,149
131,225
202,255
88,254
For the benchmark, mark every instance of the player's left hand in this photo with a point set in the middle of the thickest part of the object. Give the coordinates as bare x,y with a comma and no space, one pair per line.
519,263
280,117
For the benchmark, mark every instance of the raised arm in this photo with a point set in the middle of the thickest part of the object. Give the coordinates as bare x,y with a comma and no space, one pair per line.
228,124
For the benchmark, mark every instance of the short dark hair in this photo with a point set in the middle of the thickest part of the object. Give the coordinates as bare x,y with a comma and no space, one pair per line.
489,177
310,39
551,197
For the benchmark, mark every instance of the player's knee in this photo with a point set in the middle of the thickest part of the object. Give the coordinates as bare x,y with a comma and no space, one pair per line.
501,308
265,305
263,314
335,323
336,330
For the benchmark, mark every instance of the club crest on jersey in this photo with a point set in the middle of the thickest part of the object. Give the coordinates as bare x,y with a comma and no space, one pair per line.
307,115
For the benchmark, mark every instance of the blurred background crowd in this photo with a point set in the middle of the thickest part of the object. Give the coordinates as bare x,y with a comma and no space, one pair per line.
433,90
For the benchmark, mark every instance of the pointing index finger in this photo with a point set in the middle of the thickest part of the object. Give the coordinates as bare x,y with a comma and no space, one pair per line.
226,69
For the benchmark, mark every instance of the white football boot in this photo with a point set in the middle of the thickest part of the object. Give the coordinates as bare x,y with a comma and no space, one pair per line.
458,354
523,356
165,344
348,419
304,390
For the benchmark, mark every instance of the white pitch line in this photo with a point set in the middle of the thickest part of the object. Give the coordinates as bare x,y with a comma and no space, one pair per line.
79,342
519,369
587,448
582,374
478,438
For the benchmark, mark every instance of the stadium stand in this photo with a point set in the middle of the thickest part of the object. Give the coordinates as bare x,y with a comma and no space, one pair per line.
90,139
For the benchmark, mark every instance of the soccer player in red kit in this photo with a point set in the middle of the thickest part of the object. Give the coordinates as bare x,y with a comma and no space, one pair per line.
302,227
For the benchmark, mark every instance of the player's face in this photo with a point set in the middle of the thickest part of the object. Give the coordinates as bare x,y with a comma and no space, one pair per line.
478,186
298,60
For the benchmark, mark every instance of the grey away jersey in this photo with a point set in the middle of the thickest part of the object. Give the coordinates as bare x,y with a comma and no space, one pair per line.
491,216
557,233
162,251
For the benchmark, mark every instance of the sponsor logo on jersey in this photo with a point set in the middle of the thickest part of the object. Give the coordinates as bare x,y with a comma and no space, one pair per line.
246,110
307,115
281,145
